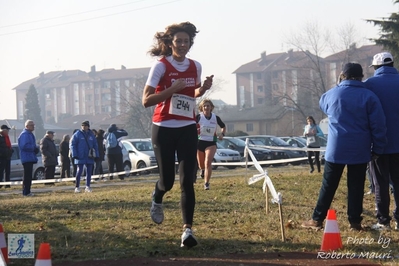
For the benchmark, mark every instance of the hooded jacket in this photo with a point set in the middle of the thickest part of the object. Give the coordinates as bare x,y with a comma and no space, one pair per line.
356,123
27,147
385,84
119,134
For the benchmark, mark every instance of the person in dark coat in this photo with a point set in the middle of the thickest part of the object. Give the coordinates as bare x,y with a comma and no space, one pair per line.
75,167
115,155
100,142
64,152
49,154
5,155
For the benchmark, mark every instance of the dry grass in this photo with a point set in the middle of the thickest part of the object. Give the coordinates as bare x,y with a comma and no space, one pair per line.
113,221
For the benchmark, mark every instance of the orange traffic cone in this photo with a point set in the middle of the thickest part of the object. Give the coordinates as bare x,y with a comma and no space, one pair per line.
3,244
44,255
331,237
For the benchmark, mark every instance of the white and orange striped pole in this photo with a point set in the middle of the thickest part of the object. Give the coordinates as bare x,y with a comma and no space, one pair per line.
3,244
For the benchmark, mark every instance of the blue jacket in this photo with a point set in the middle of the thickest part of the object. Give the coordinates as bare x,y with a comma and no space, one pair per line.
356,123
119,134
385,84
27,147
80,148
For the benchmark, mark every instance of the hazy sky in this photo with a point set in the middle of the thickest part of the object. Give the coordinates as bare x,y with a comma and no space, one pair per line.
47,35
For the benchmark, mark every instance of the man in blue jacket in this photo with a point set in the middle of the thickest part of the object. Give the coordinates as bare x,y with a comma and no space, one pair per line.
114,153
385,84
28,149
356,131
84,150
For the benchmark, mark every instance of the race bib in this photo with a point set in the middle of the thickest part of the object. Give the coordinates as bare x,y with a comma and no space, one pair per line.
207,131
182,105
310,140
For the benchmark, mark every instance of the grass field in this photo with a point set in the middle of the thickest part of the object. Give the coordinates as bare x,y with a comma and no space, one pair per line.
114,222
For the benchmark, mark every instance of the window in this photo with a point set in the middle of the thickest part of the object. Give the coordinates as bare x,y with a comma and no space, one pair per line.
107,84
230,127
106,109
106,97
250,127
260,88
275,87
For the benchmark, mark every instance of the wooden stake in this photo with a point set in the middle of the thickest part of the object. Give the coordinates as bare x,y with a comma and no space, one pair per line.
267,200
280,208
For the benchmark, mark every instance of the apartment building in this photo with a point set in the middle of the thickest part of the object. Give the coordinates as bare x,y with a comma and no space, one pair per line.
74,92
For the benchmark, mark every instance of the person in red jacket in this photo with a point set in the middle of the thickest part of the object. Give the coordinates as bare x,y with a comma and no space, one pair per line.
173,84
5,155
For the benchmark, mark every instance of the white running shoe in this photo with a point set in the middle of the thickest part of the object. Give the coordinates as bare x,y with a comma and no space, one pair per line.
77,190
88,189
188,239
156,212
380,227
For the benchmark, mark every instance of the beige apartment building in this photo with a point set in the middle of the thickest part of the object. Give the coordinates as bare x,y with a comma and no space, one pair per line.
74,92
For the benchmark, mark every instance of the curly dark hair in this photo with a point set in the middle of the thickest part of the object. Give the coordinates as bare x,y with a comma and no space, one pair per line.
164,39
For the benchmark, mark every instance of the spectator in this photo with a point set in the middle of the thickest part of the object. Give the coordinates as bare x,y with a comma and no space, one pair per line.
6,152
312,132
65,160
100,142
28,150
114,151
49,154
356,123
75,167
207,125
172,86
384,168
84,151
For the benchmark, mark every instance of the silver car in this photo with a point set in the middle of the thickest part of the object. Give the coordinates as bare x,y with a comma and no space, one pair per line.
140,152
17,169
223,155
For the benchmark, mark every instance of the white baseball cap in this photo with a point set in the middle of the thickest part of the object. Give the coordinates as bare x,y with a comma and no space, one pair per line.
380,59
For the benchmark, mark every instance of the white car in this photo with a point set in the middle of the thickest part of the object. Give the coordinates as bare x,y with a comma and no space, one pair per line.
17,169
223,155
140,152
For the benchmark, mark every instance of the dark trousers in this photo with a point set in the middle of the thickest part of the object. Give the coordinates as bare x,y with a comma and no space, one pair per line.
75,167
27,178
355,183
116,160
385,170
5,170
66,168
49,171
99,168
167,142
317,159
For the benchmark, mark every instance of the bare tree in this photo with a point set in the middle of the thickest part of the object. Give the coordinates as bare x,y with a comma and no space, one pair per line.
311,43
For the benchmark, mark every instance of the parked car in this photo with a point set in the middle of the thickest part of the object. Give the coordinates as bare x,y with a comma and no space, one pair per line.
223,155
140,152
273,141
17,169
232,143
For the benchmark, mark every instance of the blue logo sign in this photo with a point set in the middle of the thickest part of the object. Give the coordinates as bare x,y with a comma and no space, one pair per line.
21,246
